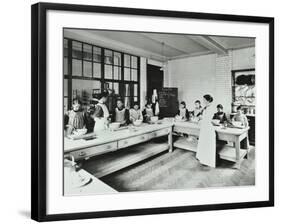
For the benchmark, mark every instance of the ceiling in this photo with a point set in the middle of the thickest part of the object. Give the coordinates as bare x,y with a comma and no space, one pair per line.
160,46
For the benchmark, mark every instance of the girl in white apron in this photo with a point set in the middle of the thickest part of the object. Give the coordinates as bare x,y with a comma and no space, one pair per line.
206,149
101,114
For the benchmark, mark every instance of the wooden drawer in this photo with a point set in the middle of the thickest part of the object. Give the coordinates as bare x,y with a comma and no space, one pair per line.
158,133
93,151
162,132
187,130
132,141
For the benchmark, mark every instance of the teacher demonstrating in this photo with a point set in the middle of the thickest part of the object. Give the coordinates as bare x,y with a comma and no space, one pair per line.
206,149
101,113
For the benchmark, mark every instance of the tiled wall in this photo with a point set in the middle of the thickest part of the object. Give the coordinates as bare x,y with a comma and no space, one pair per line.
196,76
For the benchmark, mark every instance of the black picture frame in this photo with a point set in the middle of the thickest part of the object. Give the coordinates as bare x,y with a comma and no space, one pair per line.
38,108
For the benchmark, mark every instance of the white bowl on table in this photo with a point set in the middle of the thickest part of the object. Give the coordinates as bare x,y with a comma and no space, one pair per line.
79,132
114,126
137,122
237,124
216,121
154,119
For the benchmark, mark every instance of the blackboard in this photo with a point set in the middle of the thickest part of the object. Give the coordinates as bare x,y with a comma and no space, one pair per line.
168,102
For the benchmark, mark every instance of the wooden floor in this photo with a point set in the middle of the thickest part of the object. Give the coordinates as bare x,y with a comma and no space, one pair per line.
181,170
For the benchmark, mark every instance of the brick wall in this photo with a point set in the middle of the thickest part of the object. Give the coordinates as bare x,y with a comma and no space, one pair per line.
223,92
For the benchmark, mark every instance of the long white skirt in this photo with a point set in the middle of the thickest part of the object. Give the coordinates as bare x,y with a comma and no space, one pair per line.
206,149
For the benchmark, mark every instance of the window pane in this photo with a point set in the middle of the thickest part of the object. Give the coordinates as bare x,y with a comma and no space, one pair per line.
76,50
87,52
136,99
65,87
97,70
76,67
84,88
136,90
134,75
97,54
127,62
65,66
65,47
87,68
127,74
116,87
117,73
108,72
134,62
117,58
108,57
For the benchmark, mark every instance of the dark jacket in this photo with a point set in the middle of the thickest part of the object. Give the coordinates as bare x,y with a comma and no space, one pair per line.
220,116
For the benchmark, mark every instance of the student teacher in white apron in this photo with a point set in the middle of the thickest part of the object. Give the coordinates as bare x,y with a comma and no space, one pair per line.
206,149
101,113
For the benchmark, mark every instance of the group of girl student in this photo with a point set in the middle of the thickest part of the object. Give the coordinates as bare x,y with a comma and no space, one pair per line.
93,119
184,114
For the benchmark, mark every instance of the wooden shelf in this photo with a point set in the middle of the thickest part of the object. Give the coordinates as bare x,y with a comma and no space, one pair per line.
229,153
111,162
183,143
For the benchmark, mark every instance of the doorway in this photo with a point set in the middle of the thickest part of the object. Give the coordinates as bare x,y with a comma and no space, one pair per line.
155,79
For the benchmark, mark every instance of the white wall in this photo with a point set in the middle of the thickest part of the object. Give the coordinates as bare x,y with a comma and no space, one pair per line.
194,77
207,74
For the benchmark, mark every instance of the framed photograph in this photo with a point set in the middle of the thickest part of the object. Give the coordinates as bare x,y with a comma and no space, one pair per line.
139,111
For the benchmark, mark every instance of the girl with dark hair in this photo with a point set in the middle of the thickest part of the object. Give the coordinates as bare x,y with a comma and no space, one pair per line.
240,118
147,113
206,149
197,109
135,113
182,113
76,117
121,114
220,115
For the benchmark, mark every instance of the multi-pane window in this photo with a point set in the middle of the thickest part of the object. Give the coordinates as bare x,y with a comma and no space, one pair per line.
94,69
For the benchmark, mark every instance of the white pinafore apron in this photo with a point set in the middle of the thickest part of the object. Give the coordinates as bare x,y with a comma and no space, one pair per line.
206,149
100,122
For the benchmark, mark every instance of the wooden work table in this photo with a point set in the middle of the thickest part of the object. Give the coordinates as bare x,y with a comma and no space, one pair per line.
108,141
238,136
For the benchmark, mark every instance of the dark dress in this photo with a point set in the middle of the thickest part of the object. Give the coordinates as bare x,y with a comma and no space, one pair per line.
89,122
186,114
220,116
126,116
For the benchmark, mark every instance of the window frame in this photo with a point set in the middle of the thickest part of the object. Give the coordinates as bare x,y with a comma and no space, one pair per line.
121,88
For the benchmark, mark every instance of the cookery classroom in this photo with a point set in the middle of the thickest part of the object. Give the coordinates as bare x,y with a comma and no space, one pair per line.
157,111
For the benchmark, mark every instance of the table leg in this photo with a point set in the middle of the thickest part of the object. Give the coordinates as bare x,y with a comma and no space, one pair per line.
170,140
237,149
245,145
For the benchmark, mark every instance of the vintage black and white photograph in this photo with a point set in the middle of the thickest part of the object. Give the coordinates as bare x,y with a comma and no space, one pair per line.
148,111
